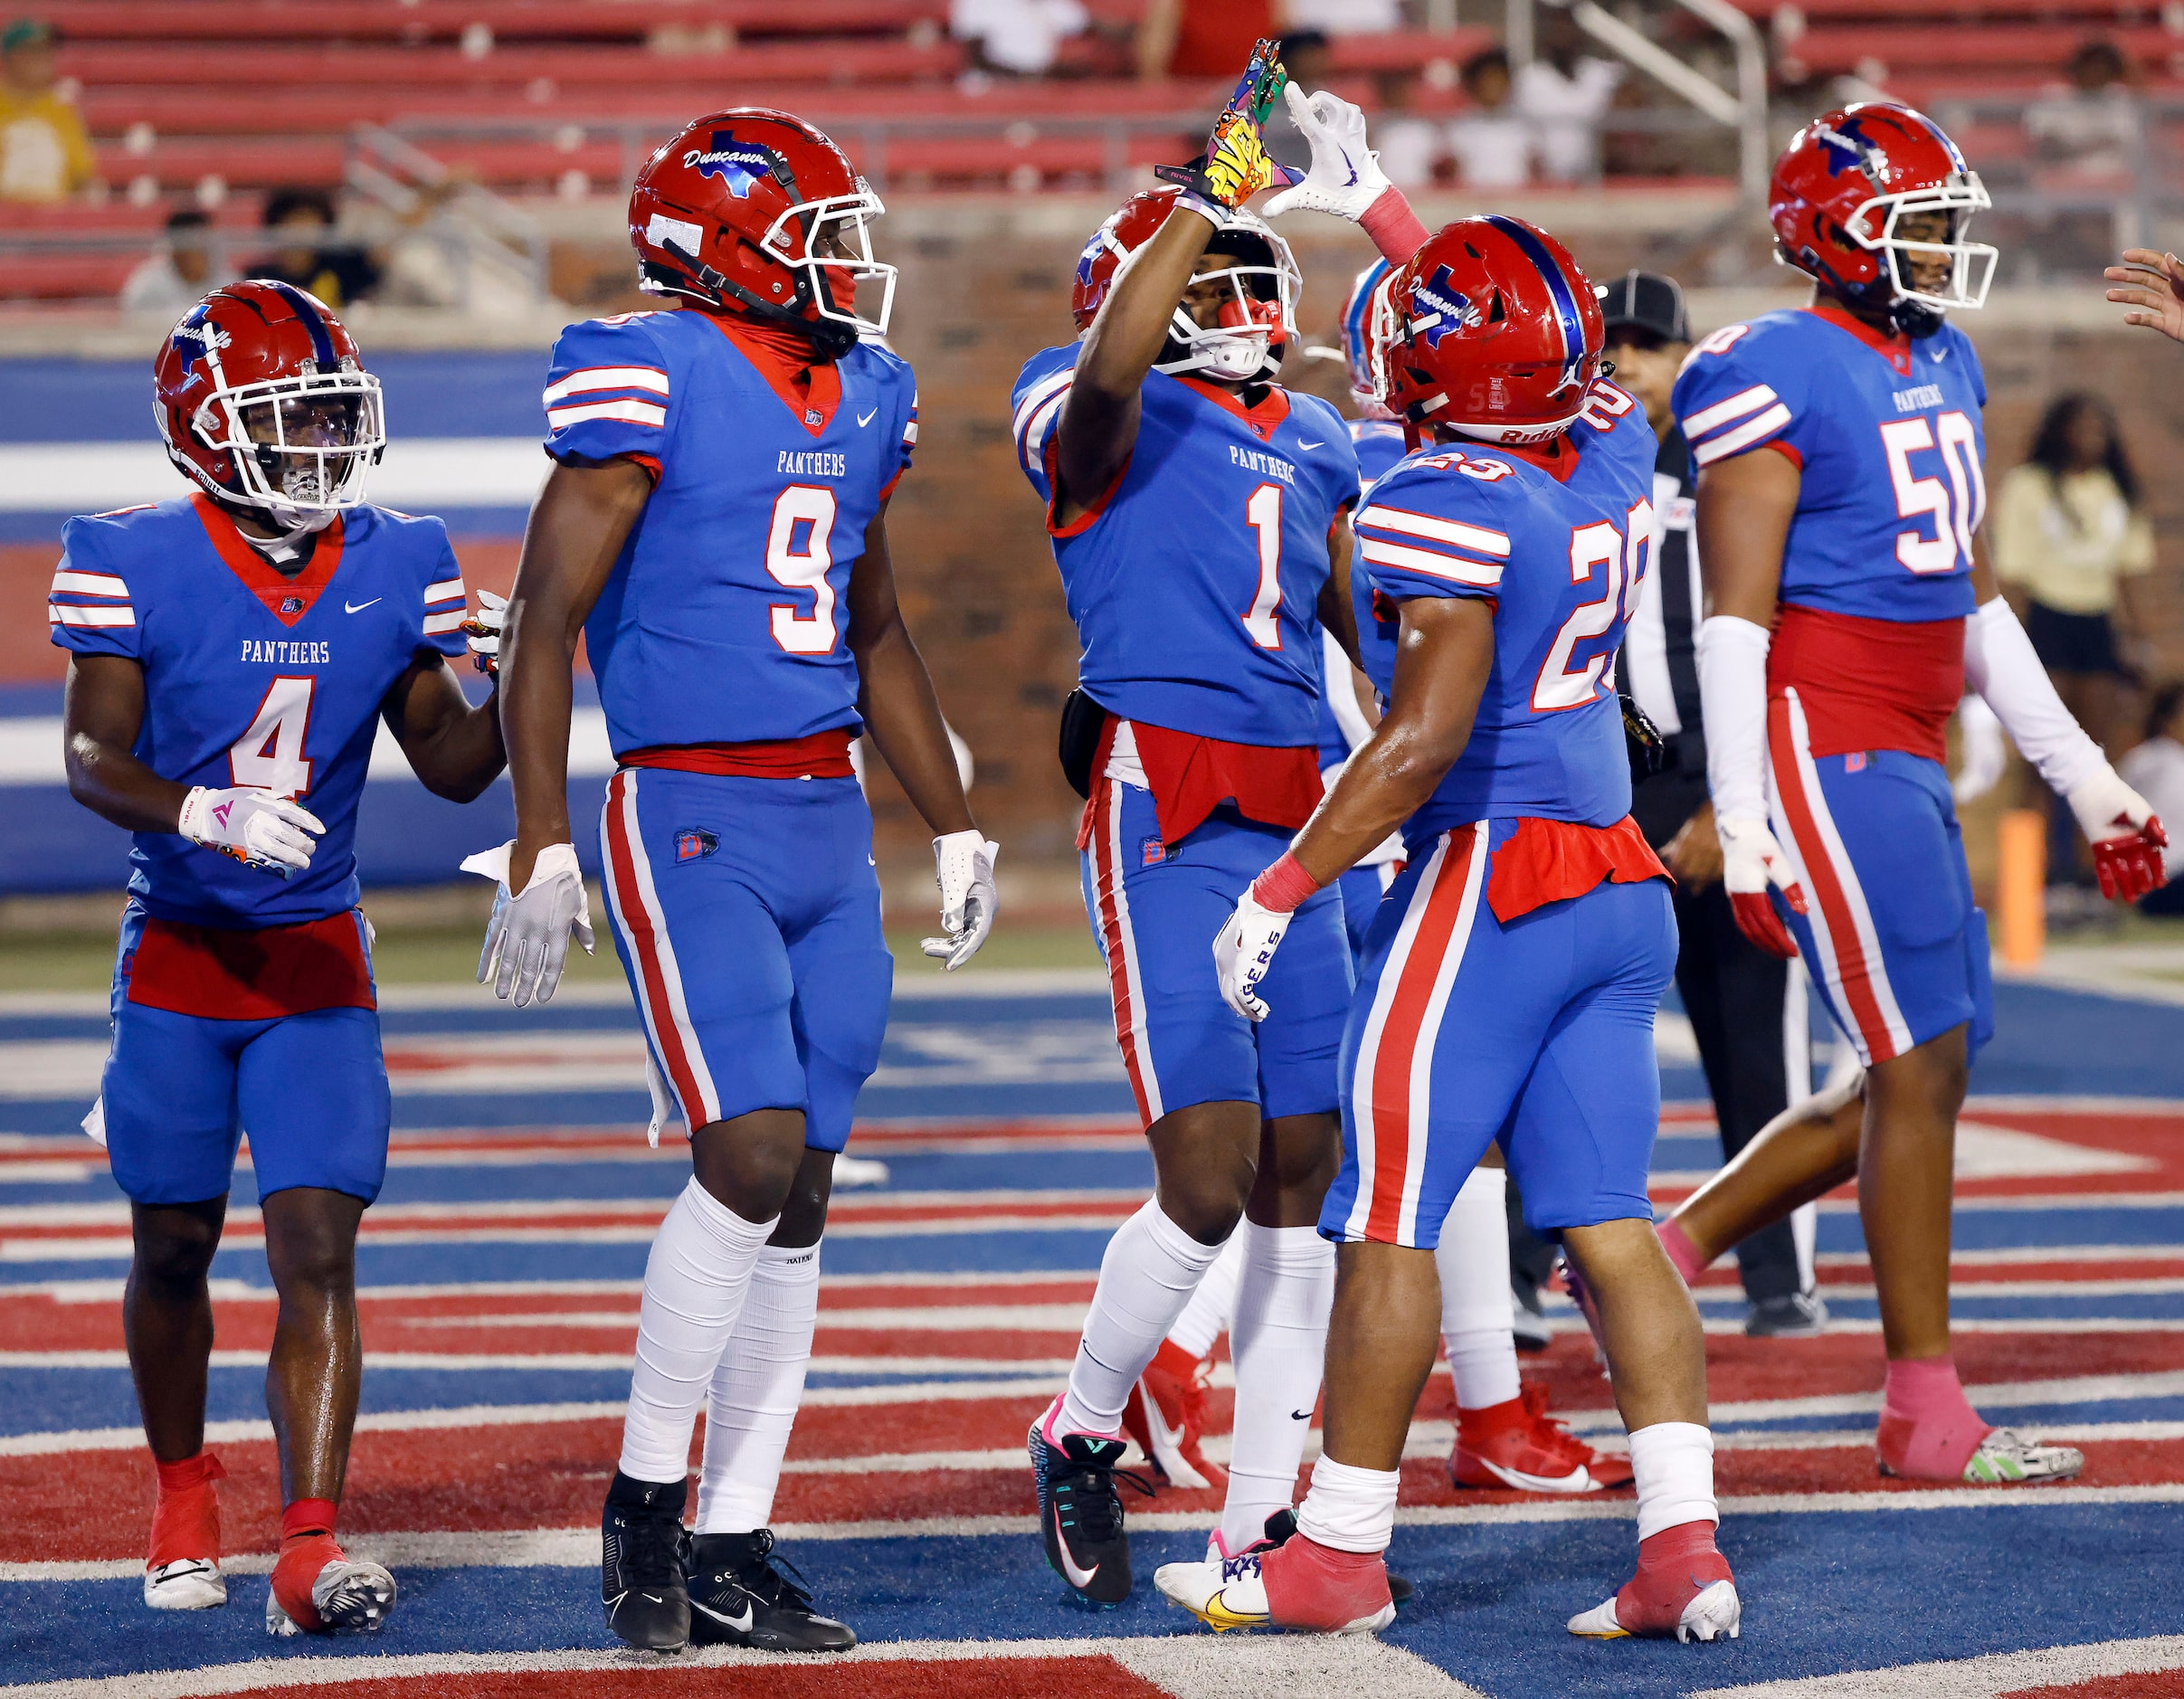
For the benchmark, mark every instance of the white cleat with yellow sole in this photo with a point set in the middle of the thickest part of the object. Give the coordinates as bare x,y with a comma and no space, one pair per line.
1714,1611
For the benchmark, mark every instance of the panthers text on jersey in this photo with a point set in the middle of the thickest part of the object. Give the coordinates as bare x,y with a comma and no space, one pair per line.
1876,569
1558,542
1195,581
725,618
251,678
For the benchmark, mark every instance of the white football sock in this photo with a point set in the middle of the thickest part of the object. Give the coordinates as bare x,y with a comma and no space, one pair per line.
694,1282
755,1391
1212,1307
1149,1271
1279,1343
1349,1508
1672,1465
1473,1259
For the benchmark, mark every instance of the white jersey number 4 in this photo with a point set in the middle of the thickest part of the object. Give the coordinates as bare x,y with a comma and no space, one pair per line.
270,756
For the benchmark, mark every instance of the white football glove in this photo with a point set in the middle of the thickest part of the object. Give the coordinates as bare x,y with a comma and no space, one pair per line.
962,864
266,830
1986,757
1243,950
483,629
2127,839
1752,860
1345,177
527,941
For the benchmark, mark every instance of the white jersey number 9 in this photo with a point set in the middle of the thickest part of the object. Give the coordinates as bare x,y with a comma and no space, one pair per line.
800,558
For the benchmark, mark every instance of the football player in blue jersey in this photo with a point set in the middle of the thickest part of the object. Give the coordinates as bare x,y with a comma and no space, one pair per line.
714,528
1196,509
231,654
1851,599
1509,981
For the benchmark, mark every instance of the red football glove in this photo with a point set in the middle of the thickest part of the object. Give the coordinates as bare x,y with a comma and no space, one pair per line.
2125,835
1751,861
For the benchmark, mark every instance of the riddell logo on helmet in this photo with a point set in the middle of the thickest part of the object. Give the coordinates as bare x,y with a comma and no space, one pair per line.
738,164
1450,310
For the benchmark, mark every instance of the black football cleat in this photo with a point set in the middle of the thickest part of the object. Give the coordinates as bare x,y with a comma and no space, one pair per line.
1080,1514
641,1541
741,1594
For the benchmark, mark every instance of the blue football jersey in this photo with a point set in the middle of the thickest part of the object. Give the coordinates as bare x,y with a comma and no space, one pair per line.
1562,559
1891,445
1195,583
724,620
254,679
1379,444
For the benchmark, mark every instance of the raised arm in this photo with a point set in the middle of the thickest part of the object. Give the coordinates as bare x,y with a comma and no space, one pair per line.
895,697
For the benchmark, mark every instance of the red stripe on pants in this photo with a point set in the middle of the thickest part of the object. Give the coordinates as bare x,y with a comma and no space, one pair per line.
1107,884
637,919
1851,968
1396,1056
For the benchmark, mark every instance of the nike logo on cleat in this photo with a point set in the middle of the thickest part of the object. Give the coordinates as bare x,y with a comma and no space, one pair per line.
1076,1573
741,1625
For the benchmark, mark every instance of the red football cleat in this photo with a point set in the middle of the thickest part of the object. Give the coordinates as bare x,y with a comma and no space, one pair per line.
1519,1445
1166,1415
182,1571
318,1588
1683,1588
1311,1586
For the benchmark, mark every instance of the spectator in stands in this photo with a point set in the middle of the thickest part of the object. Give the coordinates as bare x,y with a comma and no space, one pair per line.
1202,38
2155,770
335,271
188,264
45,154
1017,37
2092,128
2070,537
1493,142
1413,151
1562,94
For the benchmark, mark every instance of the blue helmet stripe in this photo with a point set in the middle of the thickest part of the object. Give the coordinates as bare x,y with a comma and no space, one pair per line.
314,321
1566,312
1353,322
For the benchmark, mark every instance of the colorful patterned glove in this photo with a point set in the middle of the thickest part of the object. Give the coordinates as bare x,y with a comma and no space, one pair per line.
483,629
1236,164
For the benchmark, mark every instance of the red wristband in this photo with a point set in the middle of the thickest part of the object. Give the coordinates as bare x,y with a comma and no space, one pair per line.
1394,228
1284,886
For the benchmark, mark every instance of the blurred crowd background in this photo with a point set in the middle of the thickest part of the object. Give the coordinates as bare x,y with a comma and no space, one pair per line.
450,176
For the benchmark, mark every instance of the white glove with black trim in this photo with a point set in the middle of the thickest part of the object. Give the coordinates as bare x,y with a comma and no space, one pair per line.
264,830
963,865
527,941
1345,177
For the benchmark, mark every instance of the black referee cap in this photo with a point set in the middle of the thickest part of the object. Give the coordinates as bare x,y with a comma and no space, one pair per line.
1646,301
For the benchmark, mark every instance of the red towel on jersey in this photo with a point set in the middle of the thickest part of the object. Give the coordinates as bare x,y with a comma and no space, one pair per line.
1869,684
1547,861
254,975
1190,776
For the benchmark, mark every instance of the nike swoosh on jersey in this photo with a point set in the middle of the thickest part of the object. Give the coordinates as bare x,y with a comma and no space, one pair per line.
358,607
1300,1415
864,419
1078,1577
1320,444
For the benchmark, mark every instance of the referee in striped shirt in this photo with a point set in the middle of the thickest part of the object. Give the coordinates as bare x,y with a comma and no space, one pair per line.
1747,1009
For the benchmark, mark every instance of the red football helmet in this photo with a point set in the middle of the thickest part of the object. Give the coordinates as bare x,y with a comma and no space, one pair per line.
1491,330
1846,182
1264,284
263,398
758,212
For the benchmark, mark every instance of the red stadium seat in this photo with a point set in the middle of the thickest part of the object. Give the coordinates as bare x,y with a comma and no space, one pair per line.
155,20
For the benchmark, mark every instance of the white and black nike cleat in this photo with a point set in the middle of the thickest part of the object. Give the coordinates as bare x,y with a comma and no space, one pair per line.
742,1594
641,1541
1080,1514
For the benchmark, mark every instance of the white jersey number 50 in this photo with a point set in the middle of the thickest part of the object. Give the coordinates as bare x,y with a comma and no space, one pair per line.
802,561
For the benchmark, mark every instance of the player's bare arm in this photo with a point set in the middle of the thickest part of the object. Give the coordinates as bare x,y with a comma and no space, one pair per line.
454,749
1745,506
1336,613
1443,657
1099,425
100,715
575,533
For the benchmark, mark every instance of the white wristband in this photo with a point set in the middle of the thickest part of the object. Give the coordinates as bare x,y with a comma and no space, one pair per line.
2000,665
1732,708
